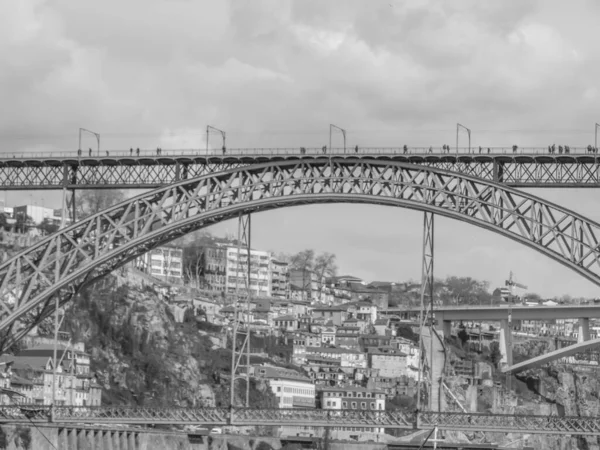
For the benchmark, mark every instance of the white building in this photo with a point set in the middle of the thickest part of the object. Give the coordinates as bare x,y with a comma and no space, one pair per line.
292,389
164,263
37,213
237,271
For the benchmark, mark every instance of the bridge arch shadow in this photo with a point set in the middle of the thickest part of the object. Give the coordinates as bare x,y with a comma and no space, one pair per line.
76,256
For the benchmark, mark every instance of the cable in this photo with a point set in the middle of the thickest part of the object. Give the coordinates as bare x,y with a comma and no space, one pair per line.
33,423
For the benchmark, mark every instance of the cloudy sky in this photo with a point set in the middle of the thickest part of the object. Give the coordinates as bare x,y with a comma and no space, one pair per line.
154,73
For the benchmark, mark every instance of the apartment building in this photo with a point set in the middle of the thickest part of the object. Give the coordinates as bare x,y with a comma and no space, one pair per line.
356,398
237,271
164,263
280,282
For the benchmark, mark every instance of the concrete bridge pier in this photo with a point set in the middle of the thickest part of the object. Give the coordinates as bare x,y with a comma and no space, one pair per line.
584,330
506,343
447,328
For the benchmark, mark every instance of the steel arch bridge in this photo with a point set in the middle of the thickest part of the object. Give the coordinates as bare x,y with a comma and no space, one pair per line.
58,266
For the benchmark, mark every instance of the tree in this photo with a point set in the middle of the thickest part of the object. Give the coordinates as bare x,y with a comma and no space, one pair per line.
95,200
462,335
466,290
48,226
407,332
324,266
495,353
304,261
23,222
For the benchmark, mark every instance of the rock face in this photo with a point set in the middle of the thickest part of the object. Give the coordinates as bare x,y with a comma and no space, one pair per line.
142,356
558,390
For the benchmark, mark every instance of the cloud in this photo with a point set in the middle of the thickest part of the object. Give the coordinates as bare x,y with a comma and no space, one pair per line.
276,73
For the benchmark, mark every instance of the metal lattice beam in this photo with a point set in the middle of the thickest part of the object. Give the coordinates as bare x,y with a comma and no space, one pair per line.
93,247
533,167
451,421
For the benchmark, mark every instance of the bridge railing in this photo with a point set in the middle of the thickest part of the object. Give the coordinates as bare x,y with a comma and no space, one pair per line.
505,423
296,151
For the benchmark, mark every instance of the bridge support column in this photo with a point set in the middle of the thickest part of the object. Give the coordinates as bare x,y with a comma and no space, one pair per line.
244,237
584,330
447,328
506,343
431,343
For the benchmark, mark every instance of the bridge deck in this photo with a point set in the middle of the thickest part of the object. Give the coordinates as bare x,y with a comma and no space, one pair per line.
501,312
501,423
552,356
529,167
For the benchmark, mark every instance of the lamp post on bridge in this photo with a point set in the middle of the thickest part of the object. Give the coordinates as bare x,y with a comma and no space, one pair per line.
458,126
331,128
97,135
216,130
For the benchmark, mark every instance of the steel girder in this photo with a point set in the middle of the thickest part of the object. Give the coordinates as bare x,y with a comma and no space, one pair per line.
75,256
497,423
533,168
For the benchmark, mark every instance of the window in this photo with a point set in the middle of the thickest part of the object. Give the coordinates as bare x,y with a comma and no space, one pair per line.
278,388
372,405
345,405
353,405
363,405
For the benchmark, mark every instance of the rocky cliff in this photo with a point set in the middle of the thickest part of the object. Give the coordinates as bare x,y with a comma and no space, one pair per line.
142,356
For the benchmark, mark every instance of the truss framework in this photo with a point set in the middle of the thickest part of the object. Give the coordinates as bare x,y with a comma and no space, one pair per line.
76,256
501,423
124,171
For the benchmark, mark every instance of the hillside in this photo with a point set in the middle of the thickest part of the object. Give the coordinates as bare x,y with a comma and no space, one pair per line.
143,357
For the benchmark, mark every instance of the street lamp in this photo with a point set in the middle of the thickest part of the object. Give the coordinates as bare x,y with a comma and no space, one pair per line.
216,130
596,135
458,126
91,132
331,128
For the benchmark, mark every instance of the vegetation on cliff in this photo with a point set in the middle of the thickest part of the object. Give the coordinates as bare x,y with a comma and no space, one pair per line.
142,356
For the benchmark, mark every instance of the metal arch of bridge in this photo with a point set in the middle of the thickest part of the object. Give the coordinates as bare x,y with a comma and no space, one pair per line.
452,421
77,255
529,167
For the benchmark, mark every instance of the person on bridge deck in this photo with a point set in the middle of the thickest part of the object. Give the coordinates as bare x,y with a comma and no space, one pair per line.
560,149
79,152
430,149
444,148
515,148
489,150
137,151
567,149
356,149
480,149
589,149
302,151
405,149
324,149
90,152
106,152
549,149
224,149
131,151
553,148
157,151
